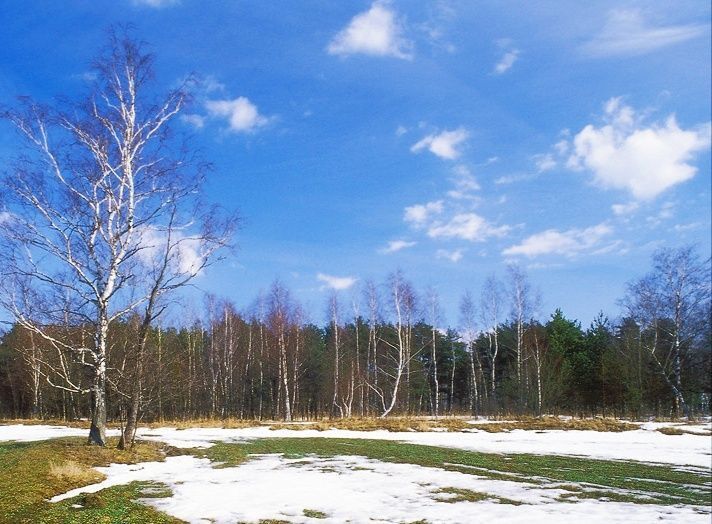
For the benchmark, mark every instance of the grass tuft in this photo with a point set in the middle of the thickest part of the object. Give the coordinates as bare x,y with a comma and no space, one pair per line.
74,473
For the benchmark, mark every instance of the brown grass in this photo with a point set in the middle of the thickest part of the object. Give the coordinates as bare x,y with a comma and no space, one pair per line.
456,424
550,423
669,430
74,473
399,424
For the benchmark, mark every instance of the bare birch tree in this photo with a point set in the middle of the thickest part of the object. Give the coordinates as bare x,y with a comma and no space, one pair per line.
99,192
468,334
522,305
491,312
672,305
434,319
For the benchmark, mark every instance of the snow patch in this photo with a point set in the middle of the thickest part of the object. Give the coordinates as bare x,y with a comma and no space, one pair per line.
360,490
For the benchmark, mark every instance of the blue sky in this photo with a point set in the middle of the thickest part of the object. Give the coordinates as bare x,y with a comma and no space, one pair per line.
445,138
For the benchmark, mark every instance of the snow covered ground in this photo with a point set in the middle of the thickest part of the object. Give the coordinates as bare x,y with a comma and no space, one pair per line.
358,489
645,444
361,490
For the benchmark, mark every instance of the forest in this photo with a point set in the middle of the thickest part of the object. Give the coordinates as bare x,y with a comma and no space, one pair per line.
389,357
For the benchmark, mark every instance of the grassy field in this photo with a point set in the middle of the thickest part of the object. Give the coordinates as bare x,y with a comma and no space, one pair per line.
629,481
30,473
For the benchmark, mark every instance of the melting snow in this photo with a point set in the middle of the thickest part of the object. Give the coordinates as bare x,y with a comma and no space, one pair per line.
359,490
644,444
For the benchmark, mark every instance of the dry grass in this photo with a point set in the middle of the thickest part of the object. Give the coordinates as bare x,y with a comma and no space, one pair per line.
551,423
227,423
399,424
455,424
675,430
74,473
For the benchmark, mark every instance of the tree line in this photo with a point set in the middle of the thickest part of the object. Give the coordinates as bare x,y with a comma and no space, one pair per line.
383,352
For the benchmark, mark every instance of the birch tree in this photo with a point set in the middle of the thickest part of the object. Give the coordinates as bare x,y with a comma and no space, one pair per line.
672,306
97,191
468,334
433,304
491,312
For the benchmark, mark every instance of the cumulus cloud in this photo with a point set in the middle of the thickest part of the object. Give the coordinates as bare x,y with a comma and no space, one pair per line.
419,214
335,283
568,243
376,32
444,144
466,226
453,256
645,160
397,245
241,114
627,33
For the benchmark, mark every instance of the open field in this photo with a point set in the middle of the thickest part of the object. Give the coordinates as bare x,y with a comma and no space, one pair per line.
268,473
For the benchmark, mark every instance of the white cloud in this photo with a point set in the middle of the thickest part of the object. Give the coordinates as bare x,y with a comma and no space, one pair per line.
156,3
241,114
624,209
624,154
467,226
568,243
335,283
453,256
627,33
401,130
511,179
465,184
506,62
544,162
374,32
682,228
194,120
444,144
666,212
186,253
397,245
419,214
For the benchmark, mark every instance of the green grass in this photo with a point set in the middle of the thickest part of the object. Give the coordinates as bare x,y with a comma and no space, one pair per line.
31,473
452,495
639,482
27,480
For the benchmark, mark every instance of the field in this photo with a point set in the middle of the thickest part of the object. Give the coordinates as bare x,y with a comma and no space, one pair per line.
398,471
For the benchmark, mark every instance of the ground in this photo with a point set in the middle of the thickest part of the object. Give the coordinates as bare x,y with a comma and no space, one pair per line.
451,471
